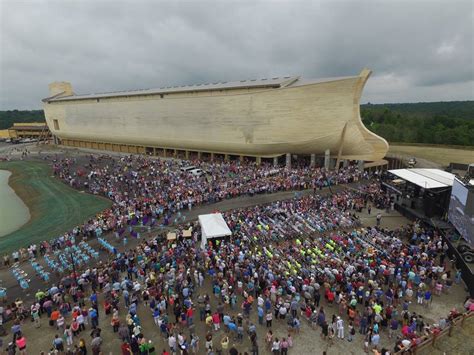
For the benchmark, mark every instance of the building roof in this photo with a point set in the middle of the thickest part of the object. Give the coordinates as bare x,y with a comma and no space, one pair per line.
242,84
20,124
426,178
28,128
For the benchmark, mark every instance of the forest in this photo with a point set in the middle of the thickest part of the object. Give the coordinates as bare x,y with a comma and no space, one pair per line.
450,123
7,118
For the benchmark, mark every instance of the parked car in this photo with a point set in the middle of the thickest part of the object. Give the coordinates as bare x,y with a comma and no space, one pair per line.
197,172
188,168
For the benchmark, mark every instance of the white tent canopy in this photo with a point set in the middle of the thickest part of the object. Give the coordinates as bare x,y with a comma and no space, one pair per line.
213,226
425,178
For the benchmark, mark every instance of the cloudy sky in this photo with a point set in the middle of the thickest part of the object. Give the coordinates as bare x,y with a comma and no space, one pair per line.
418,50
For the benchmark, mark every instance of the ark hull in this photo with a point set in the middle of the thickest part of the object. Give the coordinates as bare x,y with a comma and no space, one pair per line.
298,118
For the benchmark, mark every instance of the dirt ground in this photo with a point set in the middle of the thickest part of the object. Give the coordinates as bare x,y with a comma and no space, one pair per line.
307,341
459,343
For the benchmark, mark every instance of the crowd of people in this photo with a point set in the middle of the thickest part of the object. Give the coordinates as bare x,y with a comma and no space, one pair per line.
303,260
152,190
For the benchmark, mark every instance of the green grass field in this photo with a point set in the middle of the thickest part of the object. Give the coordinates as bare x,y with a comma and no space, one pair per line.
438,154
55,208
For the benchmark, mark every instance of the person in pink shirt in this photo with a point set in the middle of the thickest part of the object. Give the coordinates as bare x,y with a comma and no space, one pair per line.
216,320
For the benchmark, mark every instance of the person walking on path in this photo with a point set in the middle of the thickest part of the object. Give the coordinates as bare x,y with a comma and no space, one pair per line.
378,218
95,344
269,318
351,331
340,328
58,343
36,317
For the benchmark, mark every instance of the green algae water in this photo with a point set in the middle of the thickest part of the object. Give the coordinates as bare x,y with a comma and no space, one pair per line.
13,212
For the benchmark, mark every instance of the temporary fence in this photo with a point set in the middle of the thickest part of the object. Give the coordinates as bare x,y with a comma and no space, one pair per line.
434,338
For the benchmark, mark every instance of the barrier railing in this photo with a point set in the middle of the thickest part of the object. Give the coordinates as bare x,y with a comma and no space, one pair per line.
431,340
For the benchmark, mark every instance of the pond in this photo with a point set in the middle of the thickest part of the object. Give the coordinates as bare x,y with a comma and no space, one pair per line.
13,212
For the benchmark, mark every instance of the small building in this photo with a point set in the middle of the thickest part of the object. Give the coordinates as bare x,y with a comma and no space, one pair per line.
4,134
29,130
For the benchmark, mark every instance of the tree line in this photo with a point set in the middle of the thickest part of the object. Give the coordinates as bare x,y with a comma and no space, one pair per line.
428,122
7,118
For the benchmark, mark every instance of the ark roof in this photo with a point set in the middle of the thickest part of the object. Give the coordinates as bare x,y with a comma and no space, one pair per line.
252,83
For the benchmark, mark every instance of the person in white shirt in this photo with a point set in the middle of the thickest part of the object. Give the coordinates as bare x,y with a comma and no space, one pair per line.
80,321
180,339
60,323
136,286
172,343
137,330
340,328
276,346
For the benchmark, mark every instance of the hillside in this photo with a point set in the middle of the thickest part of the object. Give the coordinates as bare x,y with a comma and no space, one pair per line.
427,122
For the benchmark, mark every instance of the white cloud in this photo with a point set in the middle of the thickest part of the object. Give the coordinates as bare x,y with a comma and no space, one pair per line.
445,49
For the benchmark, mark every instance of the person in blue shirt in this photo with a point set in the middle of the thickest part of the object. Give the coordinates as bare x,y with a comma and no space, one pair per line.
226,320
53,290
250,286
376,328
152,303
260,315
164,329
427,298
132,309
126,297
252,329
187,303
217,290
93,298
232,327
268,304
16,330
156,315
233,300
94,317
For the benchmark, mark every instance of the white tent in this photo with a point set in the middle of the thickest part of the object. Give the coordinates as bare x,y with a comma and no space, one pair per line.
212,226
426,178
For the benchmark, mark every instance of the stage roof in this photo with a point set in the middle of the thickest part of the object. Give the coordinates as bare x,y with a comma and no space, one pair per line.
426,178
